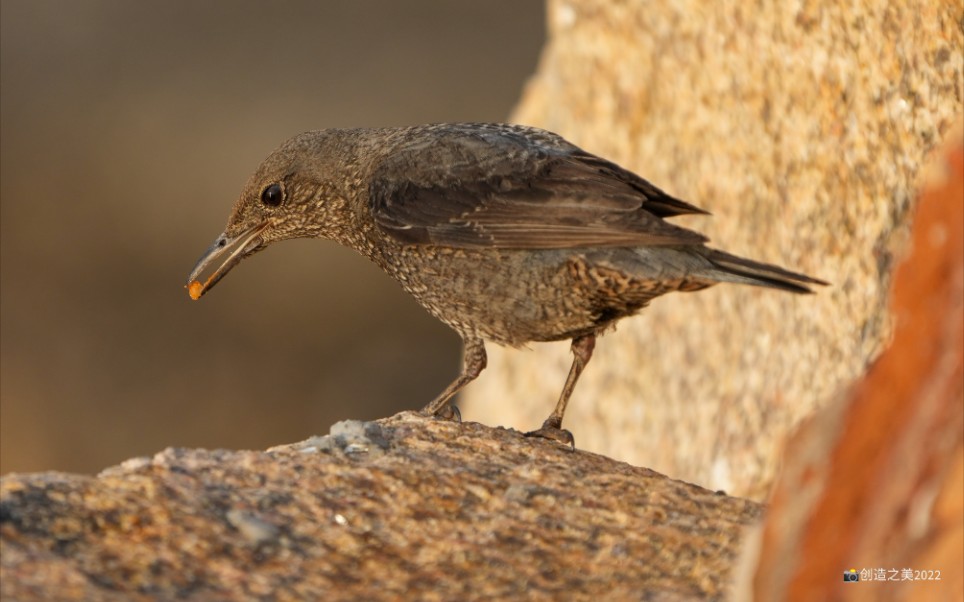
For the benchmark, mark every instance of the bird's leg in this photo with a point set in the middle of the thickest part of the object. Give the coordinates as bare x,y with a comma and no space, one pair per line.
472,365
552,427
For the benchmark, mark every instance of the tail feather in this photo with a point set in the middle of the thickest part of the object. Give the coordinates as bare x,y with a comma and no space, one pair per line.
747,271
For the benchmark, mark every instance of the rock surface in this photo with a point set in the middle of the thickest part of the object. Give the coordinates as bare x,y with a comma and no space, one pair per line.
401,508
802,127
833,122
875,481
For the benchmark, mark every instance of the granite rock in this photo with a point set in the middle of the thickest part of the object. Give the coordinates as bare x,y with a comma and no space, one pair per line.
875,481
399,508
802,127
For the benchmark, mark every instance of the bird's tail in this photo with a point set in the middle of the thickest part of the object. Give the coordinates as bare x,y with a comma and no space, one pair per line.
730,268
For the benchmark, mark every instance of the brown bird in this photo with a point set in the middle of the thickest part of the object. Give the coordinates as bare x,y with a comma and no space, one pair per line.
506,233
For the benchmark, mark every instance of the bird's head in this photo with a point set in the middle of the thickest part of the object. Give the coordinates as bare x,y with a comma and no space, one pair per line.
297,192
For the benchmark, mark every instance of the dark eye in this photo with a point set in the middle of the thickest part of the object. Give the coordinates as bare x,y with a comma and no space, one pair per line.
272,195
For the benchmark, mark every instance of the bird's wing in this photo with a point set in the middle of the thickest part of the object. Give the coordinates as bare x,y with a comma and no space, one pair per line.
516,187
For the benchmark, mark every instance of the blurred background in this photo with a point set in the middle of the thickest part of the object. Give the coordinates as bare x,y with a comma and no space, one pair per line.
128,130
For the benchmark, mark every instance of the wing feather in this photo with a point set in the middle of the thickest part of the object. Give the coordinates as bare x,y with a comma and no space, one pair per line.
516,187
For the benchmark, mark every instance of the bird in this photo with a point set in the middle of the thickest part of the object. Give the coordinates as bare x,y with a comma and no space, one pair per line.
507,233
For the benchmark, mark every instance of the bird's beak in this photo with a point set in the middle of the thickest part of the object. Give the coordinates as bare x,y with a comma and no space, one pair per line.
237,247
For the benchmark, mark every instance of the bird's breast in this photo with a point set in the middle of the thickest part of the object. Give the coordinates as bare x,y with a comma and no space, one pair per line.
513,297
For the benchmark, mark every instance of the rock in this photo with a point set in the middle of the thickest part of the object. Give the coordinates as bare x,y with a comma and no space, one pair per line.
400,508
803,128
875,481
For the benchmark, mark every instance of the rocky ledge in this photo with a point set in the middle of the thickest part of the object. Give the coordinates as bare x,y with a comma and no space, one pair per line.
404,507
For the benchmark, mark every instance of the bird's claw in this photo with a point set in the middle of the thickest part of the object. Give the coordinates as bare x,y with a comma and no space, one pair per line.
555,433
449,412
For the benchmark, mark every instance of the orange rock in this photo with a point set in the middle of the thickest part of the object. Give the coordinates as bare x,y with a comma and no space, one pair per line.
874,481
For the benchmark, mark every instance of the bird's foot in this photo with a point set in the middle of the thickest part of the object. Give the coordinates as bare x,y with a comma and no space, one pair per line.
553,431
447,412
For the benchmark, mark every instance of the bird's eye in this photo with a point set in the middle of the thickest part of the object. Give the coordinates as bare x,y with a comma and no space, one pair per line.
272,195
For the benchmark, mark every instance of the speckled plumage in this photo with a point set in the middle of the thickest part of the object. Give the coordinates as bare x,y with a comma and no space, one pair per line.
506,233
